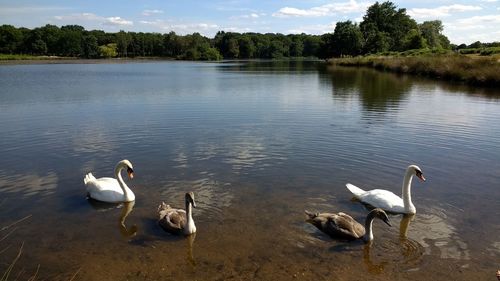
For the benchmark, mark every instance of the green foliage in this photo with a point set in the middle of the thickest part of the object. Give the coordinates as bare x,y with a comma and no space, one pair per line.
385,22
108,51
490,51
347,39
10,39
414,40
90,49
475,45
431,31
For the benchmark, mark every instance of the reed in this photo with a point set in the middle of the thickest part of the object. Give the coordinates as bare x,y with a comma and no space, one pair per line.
8,271
473,70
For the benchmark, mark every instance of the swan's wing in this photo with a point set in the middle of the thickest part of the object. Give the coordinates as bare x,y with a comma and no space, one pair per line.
105,189
384,199
174,220
345,226
338,225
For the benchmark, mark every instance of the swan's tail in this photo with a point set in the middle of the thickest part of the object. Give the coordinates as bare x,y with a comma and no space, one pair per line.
355,190
88,177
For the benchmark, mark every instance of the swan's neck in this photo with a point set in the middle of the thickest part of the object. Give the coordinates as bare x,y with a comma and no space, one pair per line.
368,228
406,193
126,190
190,227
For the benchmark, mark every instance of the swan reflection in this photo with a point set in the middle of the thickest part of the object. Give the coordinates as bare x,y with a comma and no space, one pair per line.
433,230
406,251
126,210
190,243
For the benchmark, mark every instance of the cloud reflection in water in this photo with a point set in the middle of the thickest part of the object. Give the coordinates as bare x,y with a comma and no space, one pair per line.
29,184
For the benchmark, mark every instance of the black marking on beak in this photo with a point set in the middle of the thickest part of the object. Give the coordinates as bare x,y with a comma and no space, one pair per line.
130,173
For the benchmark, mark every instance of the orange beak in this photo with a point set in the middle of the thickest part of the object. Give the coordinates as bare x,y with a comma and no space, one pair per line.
130,173
421,177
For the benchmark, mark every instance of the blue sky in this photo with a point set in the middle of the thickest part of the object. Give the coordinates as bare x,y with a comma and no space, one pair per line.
464,21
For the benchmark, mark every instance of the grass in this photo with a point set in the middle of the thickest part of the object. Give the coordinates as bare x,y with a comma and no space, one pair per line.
12,57
469,69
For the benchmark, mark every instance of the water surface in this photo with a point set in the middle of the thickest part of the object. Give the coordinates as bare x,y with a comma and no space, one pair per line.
257,142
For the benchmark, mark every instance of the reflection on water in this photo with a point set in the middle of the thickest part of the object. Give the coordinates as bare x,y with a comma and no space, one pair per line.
126,209
189,247
127,232
434,230
28,185
258,142
211,196
245,153
377,93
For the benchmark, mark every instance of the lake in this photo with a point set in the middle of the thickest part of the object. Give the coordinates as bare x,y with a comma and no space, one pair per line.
258,143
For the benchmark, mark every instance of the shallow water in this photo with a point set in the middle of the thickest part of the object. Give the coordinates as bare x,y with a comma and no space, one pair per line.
257,142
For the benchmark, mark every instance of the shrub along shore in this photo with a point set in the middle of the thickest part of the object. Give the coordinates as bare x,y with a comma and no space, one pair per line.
472,70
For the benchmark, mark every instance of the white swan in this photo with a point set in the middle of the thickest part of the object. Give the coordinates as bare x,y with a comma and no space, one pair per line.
178,221
111,190
341,225
387,200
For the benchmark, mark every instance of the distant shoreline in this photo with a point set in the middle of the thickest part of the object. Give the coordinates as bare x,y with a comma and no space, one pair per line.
69,60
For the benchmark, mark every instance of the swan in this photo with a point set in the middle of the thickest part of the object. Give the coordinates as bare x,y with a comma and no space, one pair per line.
343,226
177,221
111,190
387,200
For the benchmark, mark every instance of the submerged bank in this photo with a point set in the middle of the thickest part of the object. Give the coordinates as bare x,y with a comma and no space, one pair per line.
473,70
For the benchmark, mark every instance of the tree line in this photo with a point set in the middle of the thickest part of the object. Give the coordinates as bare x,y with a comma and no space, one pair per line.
384,28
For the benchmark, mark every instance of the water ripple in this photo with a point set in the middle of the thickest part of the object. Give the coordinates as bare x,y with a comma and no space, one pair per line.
211,196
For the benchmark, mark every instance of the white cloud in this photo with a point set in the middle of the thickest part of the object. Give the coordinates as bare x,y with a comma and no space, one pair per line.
317,29
79,17
489,1
148,13
487,20
325,10
89,17
249,16
442,11
182,28
476,28
118,21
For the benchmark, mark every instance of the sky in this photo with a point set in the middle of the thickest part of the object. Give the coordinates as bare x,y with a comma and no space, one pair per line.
464,21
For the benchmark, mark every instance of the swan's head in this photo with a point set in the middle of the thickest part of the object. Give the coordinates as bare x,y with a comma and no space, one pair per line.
190,198
125,164
379,213
416,171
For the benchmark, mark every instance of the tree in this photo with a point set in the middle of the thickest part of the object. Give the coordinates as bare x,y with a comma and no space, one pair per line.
414,40
123,40
431,31
108,51
70,41
90,48
383,21
347,39
311,46
246,47
51,35
476,45
326,46
35,44
233,48
10,39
